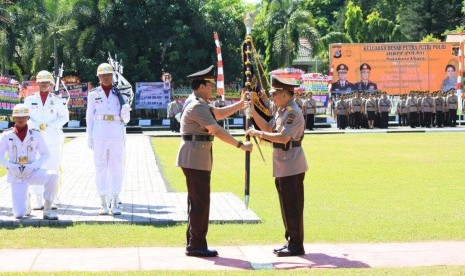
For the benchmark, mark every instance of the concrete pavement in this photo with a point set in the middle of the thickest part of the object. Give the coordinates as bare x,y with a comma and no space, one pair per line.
249,257
145,196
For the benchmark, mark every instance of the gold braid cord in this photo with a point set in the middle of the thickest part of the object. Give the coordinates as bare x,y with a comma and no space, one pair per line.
249,75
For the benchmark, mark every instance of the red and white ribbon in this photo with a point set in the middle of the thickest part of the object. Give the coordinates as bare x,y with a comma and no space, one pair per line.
458,86
220,77
330,78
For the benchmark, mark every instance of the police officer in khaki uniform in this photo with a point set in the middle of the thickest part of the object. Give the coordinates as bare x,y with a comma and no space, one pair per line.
427,106
219,103
174,108
309,111
412,106
384,106
356,107
370,110
452,103
439,104
198,128
286,131
341,111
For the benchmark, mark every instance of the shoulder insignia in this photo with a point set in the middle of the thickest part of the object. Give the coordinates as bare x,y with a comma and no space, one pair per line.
290,118
95,89
8,129
289,108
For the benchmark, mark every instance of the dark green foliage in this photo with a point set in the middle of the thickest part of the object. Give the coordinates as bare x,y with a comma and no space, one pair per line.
154,36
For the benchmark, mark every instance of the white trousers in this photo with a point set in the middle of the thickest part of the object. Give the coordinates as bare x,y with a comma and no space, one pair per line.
109,158
19,189
54,139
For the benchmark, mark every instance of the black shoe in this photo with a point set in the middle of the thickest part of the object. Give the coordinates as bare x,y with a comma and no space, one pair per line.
288,252
201,252
279,249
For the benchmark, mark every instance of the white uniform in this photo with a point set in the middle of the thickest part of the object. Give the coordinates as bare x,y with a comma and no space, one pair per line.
106,136
54,113
33,151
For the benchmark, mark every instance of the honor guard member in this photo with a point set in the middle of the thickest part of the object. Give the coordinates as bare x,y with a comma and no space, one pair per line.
27,154
174,108
48,113
427,106
356,106
342,85
198,128
309,111
365,84
298,100
286,131
106,135
452,103
384,106
219,103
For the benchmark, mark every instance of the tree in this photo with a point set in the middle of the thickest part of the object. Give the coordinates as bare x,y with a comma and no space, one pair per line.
417,18
286,23
354,24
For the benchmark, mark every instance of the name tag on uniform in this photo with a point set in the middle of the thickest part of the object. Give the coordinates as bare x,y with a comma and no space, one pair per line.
33,103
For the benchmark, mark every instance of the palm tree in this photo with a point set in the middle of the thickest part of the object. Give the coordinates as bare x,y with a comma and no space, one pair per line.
287,23
57,22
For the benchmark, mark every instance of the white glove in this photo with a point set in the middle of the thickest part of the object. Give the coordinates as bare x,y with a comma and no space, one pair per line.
125,113
126,108
16,171
11,166
29,169
90,143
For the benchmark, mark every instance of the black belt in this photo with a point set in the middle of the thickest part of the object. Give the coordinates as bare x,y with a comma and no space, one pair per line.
285,147
189,137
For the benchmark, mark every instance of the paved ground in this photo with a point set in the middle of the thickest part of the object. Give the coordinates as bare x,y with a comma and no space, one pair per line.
146,198
234,258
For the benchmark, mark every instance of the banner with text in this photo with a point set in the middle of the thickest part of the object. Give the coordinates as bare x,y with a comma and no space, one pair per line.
9,95
396,68
152,95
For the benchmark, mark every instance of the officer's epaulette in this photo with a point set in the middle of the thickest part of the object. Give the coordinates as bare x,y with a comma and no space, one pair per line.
200,100
93,90
289,108
54,95
8,129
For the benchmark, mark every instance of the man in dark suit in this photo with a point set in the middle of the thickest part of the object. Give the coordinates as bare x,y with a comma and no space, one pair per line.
365,84
342,85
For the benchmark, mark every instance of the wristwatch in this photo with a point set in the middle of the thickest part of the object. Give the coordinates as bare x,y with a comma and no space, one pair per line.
239,144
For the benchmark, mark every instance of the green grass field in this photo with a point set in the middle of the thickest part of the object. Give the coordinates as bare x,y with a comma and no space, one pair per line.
359,188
